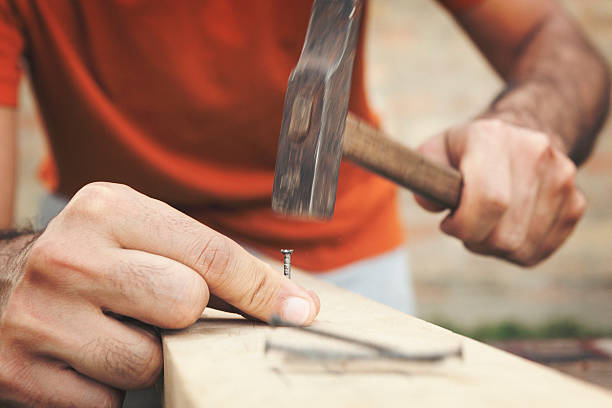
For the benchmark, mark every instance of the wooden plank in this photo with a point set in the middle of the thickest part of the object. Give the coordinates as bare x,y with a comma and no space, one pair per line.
220,361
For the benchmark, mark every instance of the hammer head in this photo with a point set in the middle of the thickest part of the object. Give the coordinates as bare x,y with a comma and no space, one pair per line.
316,103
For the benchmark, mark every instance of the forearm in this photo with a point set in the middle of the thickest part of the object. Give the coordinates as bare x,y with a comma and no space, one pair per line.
14,246
8,154
559,85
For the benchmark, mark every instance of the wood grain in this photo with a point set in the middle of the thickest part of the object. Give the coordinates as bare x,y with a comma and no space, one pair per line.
220,361
374,150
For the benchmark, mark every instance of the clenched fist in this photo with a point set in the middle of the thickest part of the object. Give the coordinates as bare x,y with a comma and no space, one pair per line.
113,254
519,201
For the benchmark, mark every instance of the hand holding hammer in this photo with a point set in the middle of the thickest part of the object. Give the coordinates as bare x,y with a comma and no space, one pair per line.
516,197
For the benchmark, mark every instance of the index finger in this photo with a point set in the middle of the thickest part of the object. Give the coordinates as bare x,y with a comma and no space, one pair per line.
136,221
434,149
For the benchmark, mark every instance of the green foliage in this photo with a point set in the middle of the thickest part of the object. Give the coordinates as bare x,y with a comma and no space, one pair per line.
511,330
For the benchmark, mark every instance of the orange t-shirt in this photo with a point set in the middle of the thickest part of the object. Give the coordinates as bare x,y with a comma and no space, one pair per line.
183,101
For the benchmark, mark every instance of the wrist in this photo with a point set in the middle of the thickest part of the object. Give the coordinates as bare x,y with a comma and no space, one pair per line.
14,249
524,118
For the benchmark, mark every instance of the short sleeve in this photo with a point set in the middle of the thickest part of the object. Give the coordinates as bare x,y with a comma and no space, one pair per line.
11,47
457,6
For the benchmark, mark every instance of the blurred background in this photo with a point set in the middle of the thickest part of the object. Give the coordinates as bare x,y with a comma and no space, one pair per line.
424,76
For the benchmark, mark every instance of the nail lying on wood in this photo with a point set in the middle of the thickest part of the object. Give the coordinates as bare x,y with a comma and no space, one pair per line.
380,351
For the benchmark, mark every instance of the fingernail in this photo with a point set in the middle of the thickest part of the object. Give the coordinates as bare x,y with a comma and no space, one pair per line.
295,310
314,297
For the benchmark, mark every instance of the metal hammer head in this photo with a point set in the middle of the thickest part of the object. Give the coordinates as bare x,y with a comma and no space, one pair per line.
316,103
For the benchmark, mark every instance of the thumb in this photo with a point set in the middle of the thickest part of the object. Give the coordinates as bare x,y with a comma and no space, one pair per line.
239,279
434,149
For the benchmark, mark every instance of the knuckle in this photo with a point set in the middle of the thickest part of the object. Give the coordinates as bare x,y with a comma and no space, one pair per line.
104,397
533,261
495,202
572,218
148,365
183,295
24,324
537,255
493,125
46,253
569,169
579,208
51,260
529,255
212,257
566,175
260,297
538,147
541,149
187,308
183,316
137,365
95,200
92,201
527,262
39,254
507,242
109,399
482,130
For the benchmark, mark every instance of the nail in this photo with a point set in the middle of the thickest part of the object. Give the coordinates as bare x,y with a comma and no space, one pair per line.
287,262
296,310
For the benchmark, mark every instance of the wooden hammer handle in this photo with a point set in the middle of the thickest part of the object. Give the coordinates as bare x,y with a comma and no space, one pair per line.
372,149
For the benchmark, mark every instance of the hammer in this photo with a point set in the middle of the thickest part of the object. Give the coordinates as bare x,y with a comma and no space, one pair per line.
316,130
